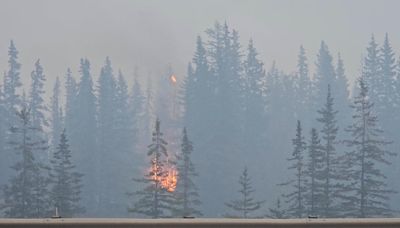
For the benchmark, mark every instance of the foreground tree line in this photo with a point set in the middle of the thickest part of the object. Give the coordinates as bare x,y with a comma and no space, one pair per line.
237,113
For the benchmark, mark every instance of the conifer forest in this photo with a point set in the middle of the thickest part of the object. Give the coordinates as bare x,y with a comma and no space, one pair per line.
225,131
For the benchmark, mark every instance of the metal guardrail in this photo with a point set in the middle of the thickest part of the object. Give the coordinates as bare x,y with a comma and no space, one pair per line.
201,223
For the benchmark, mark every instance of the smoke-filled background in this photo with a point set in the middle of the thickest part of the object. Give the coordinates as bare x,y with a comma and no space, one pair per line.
238,75
152,34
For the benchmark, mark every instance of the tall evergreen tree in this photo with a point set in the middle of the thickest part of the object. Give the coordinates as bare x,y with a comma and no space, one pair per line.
11,102
332,193
315,174
245,206
66,181
106,137
154,200
37,106
186,192
368,194
295,198
26,195
86,147
120,162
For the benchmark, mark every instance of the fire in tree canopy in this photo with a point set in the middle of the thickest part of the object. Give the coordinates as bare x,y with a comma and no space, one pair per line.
154,200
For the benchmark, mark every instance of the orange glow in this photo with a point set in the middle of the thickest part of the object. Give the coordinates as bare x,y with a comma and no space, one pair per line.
169,182
173,79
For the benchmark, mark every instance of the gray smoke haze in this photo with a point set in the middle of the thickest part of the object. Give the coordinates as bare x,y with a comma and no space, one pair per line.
151,34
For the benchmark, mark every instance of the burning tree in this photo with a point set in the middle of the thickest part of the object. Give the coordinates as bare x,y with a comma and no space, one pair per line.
155,199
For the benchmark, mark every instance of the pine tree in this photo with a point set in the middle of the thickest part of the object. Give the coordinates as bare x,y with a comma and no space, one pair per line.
245,206
186,192
367,191
11,102
37,106
120,162
295,198
26,195
85,124
106,137
277,212
315,174
154,200
66,181
331,163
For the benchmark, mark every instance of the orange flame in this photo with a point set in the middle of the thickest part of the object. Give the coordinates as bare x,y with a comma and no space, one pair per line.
173,79
169,182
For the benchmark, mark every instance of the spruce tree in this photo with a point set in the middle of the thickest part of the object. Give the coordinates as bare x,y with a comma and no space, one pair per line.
11,102
246,205
297,184
66,181
367,191
86,147
106,137
154,200
120,162
186,192
315,174
331,161
26,194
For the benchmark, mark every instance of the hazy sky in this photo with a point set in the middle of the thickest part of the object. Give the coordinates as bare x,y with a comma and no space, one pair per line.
151,34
